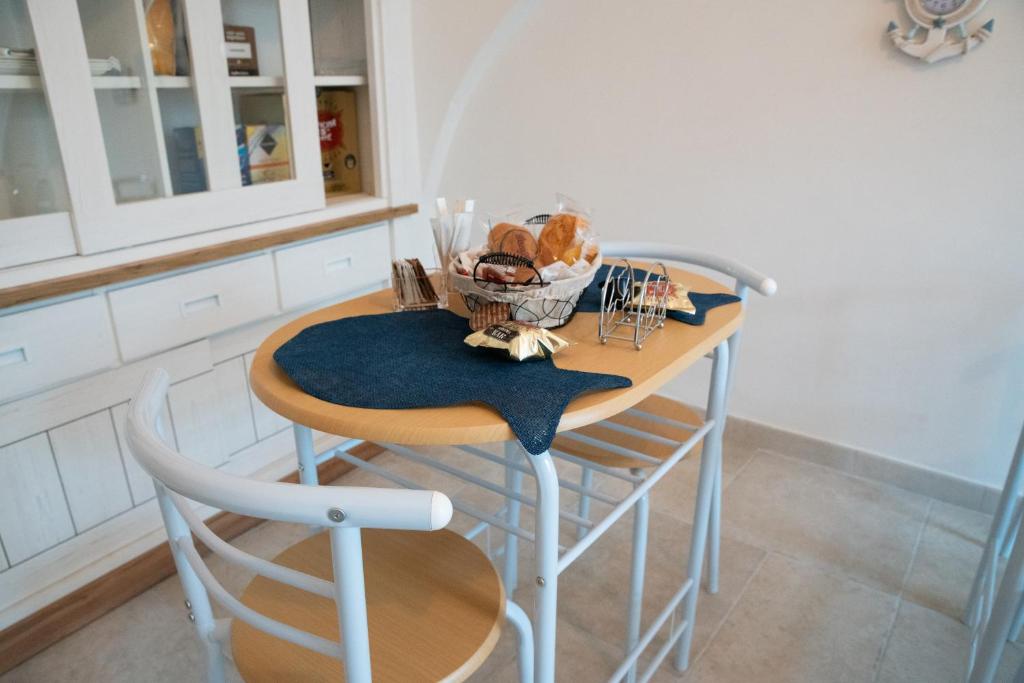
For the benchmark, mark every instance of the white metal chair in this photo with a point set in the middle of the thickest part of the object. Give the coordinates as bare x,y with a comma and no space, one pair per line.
995,612
409,605
646,435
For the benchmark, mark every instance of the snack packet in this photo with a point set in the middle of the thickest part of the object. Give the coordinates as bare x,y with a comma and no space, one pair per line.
677,296
519,340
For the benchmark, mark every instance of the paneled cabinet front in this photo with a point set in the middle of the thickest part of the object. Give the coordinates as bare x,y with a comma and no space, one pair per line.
162,314
152,146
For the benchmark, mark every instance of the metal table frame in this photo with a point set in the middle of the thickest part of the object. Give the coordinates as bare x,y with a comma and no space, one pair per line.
552,558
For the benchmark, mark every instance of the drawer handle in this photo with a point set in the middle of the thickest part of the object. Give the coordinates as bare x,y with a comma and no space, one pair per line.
13,356
199,305
334,265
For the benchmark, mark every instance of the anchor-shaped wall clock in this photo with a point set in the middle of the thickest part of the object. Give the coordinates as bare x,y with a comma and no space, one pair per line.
946,24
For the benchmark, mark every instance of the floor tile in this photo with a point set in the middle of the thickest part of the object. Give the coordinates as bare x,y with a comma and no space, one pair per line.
146,640
593,592
581,657
858,528
795,622
676,493
928,646
811,562
947,558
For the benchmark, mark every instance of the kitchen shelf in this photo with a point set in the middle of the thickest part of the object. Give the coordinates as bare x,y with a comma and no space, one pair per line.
256,81
173,81
337,81
116,82
8,82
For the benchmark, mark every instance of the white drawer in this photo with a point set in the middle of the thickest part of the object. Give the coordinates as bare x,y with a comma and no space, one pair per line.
166,313
329,267
46,346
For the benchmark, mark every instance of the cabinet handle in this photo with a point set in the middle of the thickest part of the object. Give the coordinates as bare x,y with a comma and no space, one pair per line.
13,356
334,265
201,304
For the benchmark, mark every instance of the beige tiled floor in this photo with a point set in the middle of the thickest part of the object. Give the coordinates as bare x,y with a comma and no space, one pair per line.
825,577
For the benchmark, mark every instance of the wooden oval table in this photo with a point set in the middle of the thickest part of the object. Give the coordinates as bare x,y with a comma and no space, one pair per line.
666,353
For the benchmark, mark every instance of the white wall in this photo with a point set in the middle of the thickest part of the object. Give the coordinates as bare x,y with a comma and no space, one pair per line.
886,196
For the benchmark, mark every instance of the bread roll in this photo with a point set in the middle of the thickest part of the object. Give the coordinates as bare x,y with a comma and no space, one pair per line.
512,239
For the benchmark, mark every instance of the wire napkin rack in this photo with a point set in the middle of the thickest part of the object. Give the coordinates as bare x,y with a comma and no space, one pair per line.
631,309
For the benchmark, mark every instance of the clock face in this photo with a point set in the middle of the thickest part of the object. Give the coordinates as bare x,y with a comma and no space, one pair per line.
942,7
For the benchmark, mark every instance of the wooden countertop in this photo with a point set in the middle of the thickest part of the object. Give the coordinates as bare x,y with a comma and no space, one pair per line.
68,284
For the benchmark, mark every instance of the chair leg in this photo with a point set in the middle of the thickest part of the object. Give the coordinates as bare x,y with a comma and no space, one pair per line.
513,481
998,532
586,481
1011,536
1018,623
714,530
638,564
197,601
524,639
1004,610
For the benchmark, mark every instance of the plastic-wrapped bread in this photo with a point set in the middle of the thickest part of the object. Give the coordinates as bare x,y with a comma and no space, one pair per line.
561,240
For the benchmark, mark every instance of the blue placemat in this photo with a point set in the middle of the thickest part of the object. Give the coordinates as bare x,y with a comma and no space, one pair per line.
590,302
418,360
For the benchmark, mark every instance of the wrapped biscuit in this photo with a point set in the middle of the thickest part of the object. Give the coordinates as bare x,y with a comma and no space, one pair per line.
677,296
519,340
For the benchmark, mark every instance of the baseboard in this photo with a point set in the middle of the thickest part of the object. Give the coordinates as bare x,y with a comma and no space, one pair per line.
914,478
43,628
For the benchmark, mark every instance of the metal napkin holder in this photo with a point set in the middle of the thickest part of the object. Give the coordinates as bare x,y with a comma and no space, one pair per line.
631,310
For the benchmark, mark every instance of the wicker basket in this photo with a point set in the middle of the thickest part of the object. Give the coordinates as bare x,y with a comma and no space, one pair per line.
548,305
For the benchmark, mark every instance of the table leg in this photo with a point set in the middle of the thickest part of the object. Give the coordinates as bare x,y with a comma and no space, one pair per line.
715,527
513,481
709,463
715,530
546,612
305,453
641,516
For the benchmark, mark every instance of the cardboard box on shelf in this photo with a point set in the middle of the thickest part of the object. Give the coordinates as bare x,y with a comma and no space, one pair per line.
339,141
269,153
240,49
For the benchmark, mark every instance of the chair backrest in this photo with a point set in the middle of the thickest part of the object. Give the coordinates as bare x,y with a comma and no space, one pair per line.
342,510
745,277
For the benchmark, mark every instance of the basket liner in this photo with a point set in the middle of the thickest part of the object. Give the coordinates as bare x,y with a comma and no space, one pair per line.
550,305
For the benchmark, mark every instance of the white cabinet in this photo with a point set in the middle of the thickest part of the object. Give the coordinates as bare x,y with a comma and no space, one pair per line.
164,313
267,421
90,467
33,514
35,221
238,429
121,132
318,270
44,346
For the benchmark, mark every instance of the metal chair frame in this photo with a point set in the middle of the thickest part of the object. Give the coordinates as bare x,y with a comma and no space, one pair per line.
343,511
995,610
552,557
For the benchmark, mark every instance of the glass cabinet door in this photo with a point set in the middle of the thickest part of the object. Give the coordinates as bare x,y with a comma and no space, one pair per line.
344,96
202,118
253,44
34,219
147,107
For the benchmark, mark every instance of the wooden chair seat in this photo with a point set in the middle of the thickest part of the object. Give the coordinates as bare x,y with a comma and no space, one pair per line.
659,406
435,608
